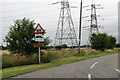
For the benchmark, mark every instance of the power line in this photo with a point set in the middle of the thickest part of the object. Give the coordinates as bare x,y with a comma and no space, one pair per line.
25,8
16,3
48,22
24,15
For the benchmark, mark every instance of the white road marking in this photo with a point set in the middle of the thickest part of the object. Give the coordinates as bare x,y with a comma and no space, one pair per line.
89,76
94,65
117,70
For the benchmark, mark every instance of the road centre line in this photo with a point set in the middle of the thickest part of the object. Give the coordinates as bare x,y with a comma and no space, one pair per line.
89,76
117,70
94,65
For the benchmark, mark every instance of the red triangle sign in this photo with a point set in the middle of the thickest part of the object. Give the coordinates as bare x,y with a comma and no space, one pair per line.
38,29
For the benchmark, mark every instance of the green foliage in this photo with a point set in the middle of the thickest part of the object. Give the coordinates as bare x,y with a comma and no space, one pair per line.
102,41
64,46
47,41
19,38
48,57
3,48
58,47
51,56
117,45
18,60
82,53
47,47
84,46
112,42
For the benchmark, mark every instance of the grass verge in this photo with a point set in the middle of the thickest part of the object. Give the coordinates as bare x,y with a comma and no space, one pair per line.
14,71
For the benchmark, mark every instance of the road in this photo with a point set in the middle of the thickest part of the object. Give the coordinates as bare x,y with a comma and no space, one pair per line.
102,67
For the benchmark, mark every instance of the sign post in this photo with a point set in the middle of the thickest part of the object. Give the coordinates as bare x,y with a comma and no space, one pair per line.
38,37
39,55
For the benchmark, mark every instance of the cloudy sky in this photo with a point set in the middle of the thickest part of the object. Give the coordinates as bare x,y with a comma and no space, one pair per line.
47,15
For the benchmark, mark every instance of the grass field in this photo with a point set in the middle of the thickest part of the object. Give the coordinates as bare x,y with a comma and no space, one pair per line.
14,71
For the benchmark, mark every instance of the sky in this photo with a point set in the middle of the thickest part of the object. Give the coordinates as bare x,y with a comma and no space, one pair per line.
47,15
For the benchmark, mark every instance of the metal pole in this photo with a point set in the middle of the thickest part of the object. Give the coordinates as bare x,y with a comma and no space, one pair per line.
80,24
39,55
63,8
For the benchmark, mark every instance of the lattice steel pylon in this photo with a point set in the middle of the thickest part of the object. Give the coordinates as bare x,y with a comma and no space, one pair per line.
65,33
93,22
94,27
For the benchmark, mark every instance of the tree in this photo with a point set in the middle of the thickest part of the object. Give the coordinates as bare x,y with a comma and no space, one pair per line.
102,41
117,45
112,42
47,41
20,37
99,41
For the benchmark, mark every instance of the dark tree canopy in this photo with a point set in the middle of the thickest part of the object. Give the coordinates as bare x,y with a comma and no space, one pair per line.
112,42
64,46
102,41
118,45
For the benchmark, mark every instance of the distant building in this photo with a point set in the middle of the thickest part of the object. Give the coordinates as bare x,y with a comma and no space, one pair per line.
119,21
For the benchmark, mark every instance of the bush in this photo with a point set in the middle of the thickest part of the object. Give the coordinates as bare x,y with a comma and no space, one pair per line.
3,48
82,53
47,47
48,57
18,60
112,42
58,47
61,46
64,46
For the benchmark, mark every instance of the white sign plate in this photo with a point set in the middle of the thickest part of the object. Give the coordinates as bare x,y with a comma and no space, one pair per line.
39,39
38,35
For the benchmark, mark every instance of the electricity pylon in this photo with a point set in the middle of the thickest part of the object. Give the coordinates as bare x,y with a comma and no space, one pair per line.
65,33
94,27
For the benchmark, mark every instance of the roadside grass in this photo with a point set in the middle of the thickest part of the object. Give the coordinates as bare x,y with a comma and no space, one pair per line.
15,71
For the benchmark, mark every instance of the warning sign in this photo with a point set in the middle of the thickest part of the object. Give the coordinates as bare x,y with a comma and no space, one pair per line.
38,29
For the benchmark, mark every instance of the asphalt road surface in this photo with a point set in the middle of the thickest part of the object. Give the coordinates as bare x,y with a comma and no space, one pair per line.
102,67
